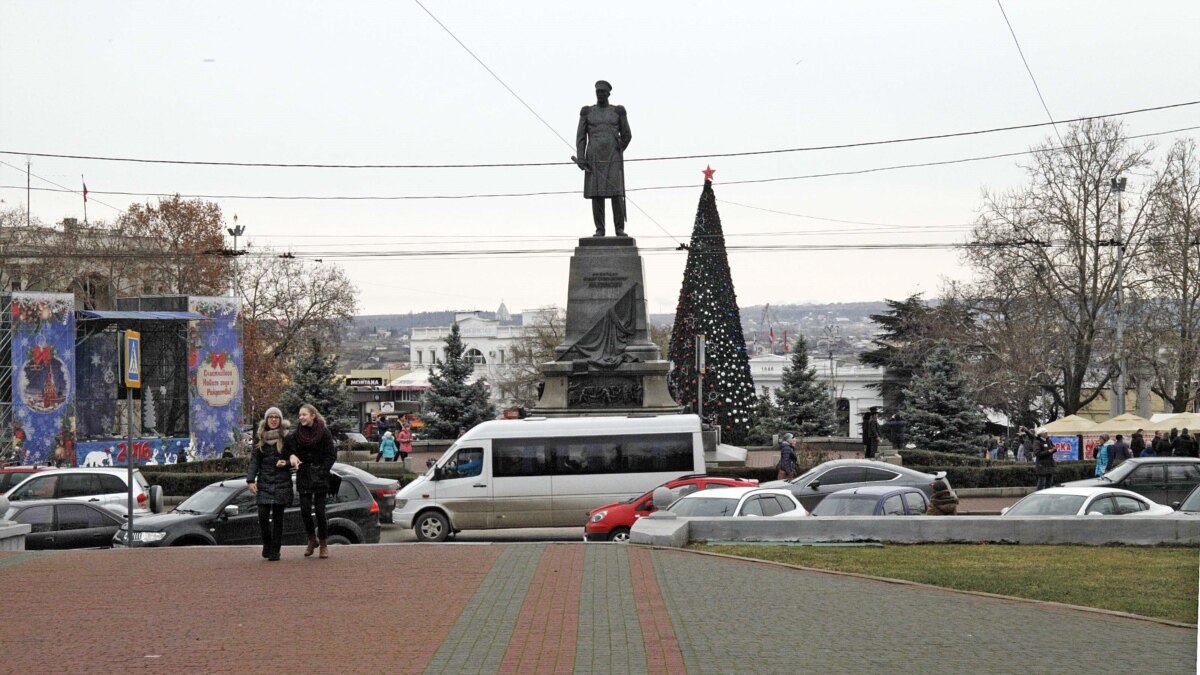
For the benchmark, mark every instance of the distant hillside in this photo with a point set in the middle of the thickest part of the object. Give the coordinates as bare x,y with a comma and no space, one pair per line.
856,312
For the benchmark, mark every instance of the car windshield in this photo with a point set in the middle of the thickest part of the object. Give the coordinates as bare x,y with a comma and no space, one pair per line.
802,478
351,470
701,507
209,499
1047,505
1121,471
849,505
1192,503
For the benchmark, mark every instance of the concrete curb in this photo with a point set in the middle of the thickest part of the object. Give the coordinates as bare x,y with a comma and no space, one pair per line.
917,584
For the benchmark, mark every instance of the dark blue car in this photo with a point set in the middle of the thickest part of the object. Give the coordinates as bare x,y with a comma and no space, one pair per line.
874,500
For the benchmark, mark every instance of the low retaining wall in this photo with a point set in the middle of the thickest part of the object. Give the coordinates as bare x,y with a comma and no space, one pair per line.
664,530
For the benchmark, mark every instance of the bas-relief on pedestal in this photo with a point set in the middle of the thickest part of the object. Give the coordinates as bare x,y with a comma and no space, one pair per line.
607,364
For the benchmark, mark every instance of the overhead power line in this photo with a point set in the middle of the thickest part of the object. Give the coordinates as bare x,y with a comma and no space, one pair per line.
716,155
1029,70
686,186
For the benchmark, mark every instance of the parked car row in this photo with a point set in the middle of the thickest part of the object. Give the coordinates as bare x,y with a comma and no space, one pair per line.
86,508
856,487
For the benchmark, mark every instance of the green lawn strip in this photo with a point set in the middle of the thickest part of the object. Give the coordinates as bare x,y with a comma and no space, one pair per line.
1159,582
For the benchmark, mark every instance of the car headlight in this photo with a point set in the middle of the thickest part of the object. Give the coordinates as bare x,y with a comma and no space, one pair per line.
599,516
147,537
400,503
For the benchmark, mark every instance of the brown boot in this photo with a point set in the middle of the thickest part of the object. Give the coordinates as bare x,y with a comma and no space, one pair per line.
312,546
324,548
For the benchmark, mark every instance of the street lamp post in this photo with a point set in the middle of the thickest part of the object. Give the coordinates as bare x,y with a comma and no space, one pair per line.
235,232
1118,186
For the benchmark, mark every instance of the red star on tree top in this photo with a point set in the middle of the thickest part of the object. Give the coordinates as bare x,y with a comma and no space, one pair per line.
708,173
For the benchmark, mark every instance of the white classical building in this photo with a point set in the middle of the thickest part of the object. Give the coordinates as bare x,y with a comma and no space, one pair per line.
851,384
487,342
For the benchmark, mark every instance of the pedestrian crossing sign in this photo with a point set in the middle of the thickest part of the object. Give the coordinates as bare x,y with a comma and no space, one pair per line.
133,359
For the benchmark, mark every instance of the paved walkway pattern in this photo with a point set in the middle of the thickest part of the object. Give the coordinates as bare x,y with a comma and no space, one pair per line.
530,608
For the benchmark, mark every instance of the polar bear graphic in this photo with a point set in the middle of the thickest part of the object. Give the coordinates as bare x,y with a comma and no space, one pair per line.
98,458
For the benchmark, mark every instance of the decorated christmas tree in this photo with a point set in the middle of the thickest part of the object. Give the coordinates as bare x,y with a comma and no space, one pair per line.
708,306
452,405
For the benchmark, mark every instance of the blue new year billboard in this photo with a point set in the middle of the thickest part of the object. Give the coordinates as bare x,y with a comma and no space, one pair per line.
215,375
43,362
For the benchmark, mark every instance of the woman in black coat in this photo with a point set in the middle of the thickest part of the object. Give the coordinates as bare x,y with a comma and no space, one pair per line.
311,450
270,480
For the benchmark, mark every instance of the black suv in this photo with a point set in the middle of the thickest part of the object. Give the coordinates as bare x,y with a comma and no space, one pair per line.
1160,479
225,513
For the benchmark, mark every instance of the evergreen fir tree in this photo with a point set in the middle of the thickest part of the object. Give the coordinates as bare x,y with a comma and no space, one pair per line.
708,306
940,413
314,380
898,348
451,404
804,403
766,422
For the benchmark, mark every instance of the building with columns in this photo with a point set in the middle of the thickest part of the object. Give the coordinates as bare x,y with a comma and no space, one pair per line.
850,383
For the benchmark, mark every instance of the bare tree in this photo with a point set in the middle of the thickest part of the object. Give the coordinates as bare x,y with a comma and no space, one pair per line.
1170,265
285,303
519,378
1054,241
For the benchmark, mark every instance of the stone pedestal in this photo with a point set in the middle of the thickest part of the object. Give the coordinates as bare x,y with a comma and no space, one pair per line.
607,363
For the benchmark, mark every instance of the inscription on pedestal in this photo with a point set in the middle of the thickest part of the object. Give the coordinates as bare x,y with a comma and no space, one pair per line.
604,392
605,280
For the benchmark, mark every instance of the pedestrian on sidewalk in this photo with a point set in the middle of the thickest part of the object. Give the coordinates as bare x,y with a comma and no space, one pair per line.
1137,444
1184,445
311,451
943,501
271,481
1043,456
1160,447
404,441
1117,453
788,463
387,448
1101,455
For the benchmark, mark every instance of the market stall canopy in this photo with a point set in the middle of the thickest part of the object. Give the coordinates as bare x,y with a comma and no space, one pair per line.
1187,420
1121,424
1071,424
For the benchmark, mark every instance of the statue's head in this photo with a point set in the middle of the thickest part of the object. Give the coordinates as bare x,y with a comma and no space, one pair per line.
603,88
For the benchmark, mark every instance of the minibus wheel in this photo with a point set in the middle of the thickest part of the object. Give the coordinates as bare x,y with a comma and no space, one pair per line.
432,526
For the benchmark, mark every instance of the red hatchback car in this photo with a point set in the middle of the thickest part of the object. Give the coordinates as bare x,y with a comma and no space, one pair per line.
11,475
612,522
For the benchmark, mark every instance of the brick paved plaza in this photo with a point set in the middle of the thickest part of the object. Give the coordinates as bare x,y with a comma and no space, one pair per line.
531,608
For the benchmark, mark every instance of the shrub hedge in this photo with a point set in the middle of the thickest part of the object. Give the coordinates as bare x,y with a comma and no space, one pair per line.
915,458
226,465
180,484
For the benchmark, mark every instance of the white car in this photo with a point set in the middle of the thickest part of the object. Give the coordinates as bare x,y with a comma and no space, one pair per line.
1086,501
739,502
102,486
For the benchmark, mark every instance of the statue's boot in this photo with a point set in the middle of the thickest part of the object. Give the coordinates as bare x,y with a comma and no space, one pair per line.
621,232
600,232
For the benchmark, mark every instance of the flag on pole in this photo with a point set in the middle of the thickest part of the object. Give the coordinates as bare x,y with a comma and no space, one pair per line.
85,193
772,334
786,347
82,180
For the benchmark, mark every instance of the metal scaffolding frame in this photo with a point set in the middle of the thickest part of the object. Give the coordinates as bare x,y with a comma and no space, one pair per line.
6,378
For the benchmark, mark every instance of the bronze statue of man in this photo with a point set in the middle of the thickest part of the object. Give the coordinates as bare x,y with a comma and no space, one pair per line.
600,142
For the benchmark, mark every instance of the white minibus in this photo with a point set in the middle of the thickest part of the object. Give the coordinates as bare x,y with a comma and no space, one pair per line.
547,472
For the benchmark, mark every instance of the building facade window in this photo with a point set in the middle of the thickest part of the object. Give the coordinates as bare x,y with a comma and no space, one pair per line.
474,356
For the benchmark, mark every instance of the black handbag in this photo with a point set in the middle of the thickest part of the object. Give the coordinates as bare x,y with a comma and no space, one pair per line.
335,483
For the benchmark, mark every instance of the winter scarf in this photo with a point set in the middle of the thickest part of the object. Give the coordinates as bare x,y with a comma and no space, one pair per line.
310,435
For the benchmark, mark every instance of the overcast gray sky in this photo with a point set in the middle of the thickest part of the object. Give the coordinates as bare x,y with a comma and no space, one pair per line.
383,83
